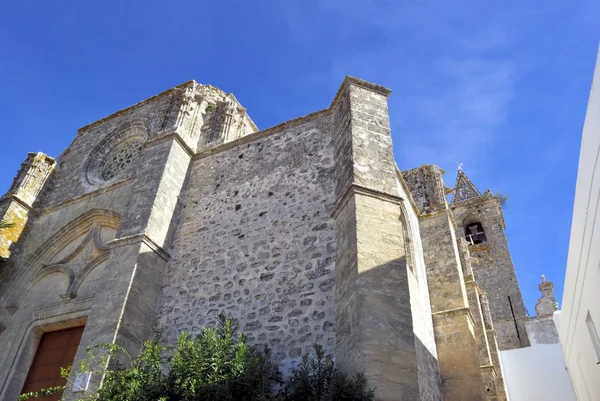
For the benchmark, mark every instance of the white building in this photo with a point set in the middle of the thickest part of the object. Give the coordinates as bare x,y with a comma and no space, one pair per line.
580,318
538,372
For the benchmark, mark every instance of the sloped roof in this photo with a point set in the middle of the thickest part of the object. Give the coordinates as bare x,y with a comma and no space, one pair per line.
464,188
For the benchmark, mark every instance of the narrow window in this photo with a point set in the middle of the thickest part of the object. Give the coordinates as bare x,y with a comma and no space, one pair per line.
474,234
56,350
593,334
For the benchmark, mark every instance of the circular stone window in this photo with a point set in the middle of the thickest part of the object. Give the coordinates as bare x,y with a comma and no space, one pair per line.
113,156
118,160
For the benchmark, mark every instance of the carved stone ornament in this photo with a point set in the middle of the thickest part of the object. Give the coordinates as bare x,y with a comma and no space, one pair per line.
112,157
121,157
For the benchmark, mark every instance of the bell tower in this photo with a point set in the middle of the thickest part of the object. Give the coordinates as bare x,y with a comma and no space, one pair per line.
480,221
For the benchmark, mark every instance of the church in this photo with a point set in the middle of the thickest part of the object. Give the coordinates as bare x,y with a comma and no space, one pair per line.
179,208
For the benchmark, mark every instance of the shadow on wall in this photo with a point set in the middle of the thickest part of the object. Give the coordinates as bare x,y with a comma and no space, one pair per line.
396,360
430,382
5,265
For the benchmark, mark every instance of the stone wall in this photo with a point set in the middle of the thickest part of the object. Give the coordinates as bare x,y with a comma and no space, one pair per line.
426,187
255,242
542,330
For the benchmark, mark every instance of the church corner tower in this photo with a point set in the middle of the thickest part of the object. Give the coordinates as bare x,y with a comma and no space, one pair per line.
479,219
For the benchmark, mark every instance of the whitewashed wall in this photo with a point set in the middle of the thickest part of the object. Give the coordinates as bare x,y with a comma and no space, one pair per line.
581,298
537,373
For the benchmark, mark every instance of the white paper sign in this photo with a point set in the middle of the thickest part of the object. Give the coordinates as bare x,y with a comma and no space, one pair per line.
82,381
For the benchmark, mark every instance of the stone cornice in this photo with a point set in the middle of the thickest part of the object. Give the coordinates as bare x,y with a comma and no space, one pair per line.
436,211
140,238
354,188
262,134
463,310
485,198
15,198
247,138
174,136
349,80
135,106
296,121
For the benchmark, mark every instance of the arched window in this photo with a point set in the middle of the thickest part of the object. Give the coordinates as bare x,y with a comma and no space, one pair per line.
474,234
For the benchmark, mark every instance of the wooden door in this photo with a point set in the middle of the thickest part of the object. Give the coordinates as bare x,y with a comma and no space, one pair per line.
56,350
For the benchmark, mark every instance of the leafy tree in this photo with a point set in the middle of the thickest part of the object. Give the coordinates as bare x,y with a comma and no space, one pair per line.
4,224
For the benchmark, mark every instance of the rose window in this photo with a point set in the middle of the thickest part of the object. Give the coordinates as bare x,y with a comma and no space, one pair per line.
121,157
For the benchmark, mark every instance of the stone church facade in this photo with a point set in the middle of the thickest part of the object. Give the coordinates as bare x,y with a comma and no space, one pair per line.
178,208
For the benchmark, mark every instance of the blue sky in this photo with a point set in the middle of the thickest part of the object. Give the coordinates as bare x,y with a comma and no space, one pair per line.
500,86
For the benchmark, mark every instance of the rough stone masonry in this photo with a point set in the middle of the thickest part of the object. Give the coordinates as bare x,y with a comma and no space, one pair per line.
178,208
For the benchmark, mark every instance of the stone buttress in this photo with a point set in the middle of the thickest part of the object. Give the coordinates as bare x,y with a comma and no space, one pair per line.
375,332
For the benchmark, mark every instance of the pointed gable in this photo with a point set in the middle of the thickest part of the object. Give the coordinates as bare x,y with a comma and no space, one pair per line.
464,188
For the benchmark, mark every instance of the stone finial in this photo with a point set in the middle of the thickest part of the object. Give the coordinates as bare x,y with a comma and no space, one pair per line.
546,305
225,120
426,187
31,177
16,204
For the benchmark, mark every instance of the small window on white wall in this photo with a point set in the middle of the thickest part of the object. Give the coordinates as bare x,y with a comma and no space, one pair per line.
593,334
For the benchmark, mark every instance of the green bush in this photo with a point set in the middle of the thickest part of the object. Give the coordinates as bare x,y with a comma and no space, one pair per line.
317,379
216,365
